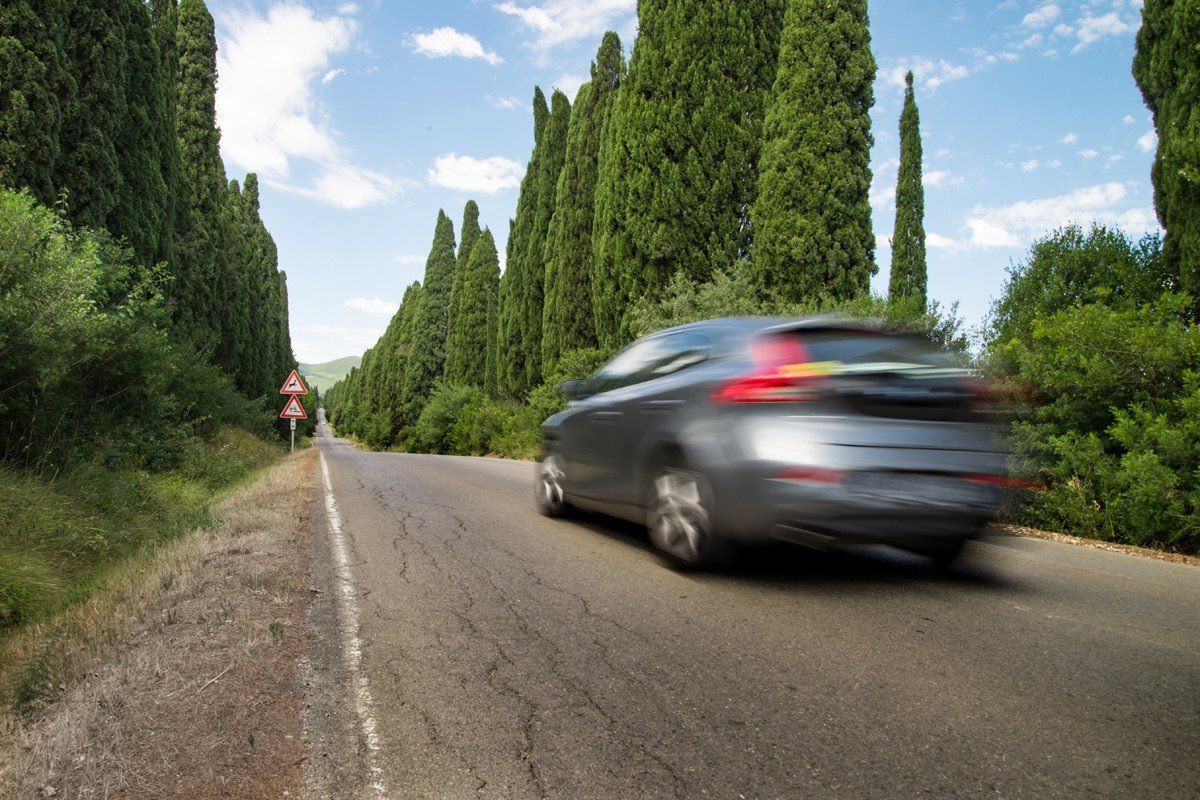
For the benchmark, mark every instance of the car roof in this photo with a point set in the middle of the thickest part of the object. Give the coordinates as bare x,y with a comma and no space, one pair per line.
750,325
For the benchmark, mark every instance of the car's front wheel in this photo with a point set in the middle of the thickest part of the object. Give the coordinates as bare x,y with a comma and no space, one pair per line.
680,518
550,493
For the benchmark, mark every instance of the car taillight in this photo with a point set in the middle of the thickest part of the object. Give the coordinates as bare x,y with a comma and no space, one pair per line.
1006,482
782,374
815,476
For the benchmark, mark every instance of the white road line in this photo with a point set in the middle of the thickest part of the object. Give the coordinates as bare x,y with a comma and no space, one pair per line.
348,610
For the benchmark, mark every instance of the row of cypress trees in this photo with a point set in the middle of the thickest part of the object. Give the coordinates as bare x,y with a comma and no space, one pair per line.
737,136
108,110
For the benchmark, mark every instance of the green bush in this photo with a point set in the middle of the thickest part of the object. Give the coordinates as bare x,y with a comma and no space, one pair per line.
434,431
1109,362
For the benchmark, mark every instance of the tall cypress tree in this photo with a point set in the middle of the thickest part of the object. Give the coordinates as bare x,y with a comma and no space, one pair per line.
466,350
554,153
1166,67
165,16
199,267
34,80
511,354
428,357
678,169
399,354
568,320
909,274
469,233
812,221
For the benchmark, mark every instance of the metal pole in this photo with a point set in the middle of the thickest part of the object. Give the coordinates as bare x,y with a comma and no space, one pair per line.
293,435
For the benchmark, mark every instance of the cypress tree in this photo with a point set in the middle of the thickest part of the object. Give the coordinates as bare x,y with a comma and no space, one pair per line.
427,360
554,153
469,234
466,350
33,82
398,356
568,320
1166,67
812,220
165,19
909,273
199,246
678,168
511,354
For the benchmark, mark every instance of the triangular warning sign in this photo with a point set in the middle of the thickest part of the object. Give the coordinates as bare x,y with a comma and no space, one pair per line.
293,385
293,409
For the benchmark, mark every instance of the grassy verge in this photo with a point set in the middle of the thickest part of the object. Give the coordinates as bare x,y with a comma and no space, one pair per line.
178,676
65,537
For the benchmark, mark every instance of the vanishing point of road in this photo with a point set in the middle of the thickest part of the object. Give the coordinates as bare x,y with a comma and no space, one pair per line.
495,653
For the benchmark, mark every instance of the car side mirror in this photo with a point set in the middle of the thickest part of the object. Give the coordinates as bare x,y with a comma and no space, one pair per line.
575,390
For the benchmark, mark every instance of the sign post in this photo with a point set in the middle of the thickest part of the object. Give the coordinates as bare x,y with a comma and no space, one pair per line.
293,387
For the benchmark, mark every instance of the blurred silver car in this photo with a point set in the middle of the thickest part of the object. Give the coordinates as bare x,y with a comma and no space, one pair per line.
818,432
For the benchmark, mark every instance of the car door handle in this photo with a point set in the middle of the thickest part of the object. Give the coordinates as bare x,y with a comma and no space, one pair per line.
662,406
605,416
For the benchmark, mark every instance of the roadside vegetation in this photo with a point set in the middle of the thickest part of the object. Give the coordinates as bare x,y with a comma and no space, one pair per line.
625,225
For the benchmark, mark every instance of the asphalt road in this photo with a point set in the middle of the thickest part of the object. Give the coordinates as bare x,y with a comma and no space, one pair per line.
511,656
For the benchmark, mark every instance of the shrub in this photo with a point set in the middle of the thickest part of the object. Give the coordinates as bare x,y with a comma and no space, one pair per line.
434,430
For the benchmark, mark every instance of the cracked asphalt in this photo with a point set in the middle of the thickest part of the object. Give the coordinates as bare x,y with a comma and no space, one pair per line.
512,656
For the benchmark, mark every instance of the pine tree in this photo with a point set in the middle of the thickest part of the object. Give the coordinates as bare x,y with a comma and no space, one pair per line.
511,354
1166,67
466,349
469,235
554,153
568,320
34,80
812,220
678,168
199,268
909,273
427,361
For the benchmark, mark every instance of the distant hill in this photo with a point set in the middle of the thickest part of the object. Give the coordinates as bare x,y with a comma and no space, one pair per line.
325,375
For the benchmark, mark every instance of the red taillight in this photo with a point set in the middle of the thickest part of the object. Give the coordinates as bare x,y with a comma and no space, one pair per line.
811,475
1006,482
779,374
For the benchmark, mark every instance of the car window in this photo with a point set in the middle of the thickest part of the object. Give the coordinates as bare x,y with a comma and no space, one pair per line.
650,359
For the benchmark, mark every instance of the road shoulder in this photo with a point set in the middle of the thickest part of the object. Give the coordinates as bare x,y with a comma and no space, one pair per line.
197,692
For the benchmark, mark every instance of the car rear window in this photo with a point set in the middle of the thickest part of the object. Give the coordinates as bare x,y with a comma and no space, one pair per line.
874,350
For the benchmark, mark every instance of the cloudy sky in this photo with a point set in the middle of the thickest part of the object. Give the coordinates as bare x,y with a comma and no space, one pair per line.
364,118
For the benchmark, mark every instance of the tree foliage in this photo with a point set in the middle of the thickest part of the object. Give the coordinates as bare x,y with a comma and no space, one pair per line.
427,359
467,345
812,220
679,163
909,276
568,321
1167,69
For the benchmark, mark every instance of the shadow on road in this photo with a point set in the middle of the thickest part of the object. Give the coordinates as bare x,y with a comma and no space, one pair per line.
783,565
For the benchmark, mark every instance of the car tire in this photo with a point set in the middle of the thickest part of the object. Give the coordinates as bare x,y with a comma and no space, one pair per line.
550,491
679,518
944,554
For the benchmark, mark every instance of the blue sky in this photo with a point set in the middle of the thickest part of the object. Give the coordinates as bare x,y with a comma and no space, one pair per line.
364,118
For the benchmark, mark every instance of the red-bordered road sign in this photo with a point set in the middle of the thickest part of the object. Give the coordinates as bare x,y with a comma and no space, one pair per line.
293,385
293,409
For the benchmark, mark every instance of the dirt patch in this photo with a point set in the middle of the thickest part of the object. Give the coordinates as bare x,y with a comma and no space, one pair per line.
1144,552
198,695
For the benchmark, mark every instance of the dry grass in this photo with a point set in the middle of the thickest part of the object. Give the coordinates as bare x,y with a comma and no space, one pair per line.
1099,544
180,679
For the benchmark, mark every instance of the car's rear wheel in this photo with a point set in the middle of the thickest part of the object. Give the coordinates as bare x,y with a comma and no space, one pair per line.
550,492
680,518
944,554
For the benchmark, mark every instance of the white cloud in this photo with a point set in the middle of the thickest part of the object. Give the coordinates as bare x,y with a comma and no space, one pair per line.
1068,138
467,174
1089,153
555,22
333,73
447,42
939,242
506,103
941,177
1091,29
1031,165
268,113
348,9
1053,163
1147,141
926,72
317,343
1042,16
408,259
1129,120
373,305
569,84
882,197
1018,224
